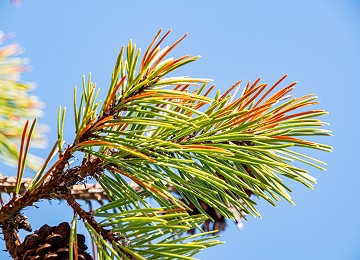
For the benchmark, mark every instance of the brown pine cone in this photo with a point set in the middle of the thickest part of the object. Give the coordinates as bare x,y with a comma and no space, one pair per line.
50,243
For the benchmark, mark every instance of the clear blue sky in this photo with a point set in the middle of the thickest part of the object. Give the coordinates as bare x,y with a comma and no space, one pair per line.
316,42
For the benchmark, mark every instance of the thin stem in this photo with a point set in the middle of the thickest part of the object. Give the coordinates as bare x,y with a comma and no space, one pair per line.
10,236
107,234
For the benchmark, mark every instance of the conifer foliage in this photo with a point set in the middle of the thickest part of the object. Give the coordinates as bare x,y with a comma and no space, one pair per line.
16,104
195,156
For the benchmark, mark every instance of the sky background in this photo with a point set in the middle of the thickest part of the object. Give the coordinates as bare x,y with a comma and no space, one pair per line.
316,42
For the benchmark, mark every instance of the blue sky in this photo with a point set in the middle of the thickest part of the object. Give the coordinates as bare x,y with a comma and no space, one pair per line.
316,42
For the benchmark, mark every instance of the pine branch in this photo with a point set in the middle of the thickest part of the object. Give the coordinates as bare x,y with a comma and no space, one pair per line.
213,152
91,192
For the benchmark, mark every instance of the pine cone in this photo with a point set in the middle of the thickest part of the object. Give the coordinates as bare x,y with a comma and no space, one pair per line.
50,243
